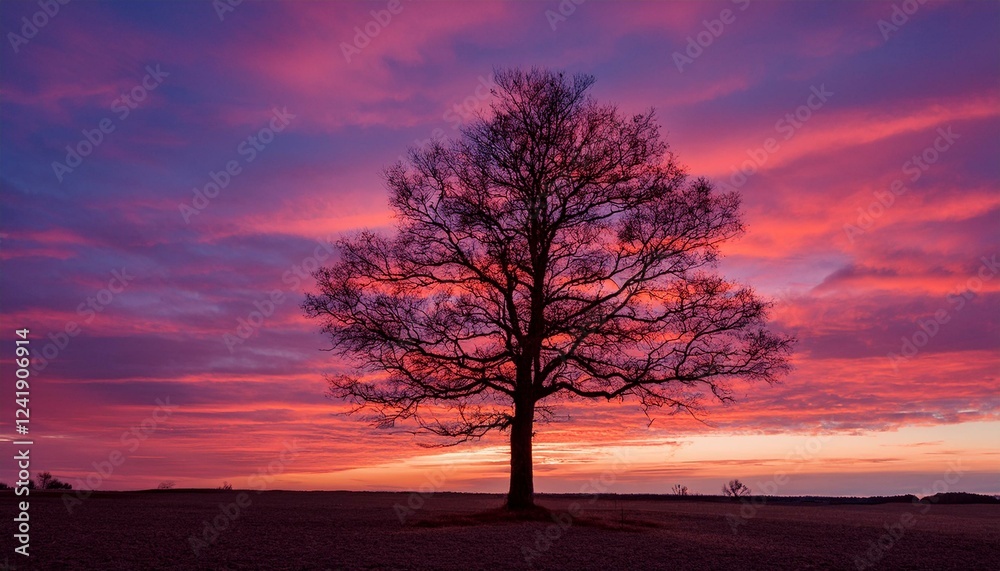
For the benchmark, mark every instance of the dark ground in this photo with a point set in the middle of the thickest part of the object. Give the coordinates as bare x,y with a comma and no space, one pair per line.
348,530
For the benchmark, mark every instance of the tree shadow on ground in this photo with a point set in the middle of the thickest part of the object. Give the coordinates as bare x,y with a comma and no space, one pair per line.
538,514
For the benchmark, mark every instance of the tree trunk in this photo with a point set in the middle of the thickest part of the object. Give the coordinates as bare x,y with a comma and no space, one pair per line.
522,489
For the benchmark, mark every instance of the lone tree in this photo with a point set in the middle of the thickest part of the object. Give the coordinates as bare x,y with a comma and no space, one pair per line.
735,489
554,250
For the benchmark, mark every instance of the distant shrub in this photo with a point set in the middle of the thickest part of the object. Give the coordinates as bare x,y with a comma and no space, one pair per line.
735,489
165,485
46,481
679,490
4,486
226,486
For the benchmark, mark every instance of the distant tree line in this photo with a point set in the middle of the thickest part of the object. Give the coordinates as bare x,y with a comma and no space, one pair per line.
45,481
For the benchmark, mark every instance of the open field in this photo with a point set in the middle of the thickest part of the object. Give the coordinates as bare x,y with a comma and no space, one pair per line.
351,530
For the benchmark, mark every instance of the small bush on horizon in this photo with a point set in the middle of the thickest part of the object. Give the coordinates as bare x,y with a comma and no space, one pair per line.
226,486
166,485
679,490
46,481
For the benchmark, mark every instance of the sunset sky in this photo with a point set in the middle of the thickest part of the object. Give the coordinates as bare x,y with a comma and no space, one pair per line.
139,286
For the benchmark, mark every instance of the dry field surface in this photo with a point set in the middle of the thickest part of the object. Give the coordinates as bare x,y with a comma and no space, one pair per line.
348,530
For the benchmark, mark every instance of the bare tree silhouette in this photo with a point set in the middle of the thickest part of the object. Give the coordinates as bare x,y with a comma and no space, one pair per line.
554,250
46,481
735,489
